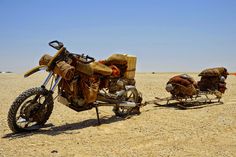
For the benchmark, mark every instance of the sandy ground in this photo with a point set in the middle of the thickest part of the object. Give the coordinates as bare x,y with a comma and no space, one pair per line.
204,130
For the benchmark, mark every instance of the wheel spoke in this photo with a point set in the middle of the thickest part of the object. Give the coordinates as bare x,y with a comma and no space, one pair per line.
41,99
131,94
21,120
122,110
27,124
35,98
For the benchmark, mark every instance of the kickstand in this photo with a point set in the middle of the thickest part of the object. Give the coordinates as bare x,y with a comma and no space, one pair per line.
99,123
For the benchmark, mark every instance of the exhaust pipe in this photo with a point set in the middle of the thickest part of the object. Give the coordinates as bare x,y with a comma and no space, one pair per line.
99,103
127,104
122,104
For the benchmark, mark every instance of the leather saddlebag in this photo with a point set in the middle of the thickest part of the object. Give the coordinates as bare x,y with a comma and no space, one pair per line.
90,87
45,59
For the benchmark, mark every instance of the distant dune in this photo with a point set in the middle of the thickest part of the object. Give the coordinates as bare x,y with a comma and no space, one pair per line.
4,72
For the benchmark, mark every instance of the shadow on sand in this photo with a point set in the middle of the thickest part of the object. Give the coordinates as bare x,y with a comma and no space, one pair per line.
189,105
56,130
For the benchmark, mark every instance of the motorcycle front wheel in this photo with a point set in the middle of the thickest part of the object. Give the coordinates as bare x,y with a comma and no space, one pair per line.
30,110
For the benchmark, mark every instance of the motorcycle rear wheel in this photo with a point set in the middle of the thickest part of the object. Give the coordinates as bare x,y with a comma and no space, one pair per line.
130,95
30,110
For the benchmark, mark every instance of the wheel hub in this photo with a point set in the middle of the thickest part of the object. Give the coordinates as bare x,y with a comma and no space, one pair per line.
32,111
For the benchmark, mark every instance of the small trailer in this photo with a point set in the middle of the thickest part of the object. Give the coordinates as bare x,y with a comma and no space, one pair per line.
185,90
202,96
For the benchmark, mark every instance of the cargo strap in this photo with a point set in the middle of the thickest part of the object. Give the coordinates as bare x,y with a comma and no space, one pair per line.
131,70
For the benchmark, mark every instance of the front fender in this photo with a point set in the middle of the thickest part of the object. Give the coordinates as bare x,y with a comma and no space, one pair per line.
35,69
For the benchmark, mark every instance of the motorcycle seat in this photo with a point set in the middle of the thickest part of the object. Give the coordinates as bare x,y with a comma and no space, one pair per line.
100,68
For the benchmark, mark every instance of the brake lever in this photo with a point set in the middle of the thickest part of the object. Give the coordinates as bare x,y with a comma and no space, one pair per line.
83,57
85,62
91,58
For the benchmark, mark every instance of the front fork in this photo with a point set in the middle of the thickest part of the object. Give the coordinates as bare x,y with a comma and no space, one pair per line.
56,81
52,87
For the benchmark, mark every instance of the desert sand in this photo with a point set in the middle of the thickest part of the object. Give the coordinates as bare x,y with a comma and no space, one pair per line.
203,130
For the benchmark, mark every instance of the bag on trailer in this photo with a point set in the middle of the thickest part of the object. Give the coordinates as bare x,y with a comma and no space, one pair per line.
208,83
213,79
222,87
219,71
182,86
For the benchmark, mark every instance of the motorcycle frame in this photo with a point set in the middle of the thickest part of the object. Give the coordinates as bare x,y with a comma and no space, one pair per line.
57,80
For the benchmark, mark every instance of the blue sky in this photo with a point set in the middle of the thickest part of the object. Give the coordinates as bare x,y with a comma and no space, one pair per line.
165,35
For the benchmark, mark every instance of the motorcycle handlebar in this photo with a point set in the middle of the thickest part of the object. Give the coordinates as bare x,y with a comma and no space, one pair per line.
87,58
84,59
91,58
